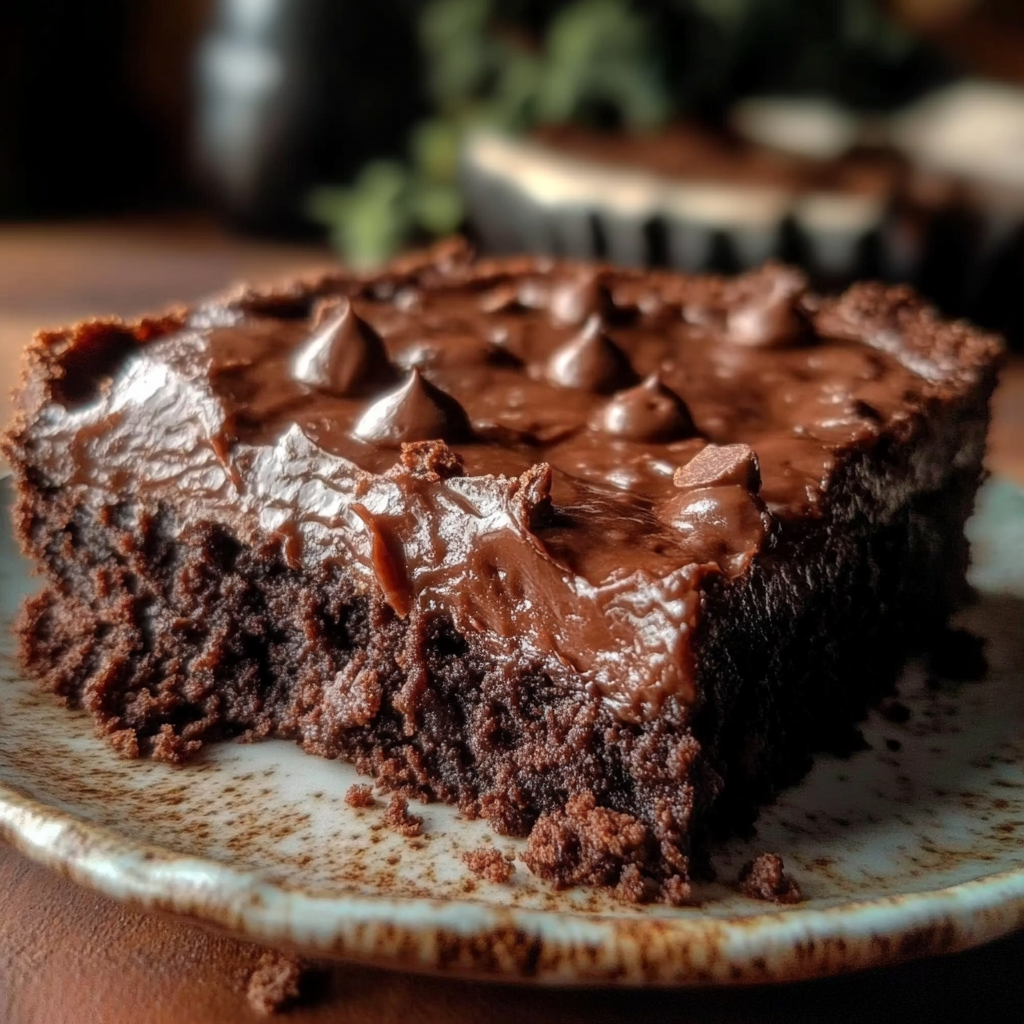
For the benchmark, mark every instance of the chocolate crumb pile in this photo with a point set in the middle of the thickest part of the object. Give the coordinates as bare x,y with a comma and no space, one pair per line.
490,864
359,796
589,845
275,983
398,819
763,878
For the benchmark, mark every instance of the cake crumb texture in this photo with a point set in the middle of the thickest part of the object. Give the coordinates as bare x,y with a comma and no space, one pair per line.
585,844
359,796
489,863
275,983
398,819
764,878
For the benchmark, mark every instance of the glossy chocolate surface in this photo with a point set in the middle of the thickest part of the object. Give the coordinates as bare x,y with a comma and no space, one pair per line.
523,446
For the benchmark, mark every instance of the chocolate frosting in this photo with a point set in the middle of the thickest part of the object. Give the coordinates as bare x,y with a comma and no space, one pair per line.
517,479
726,525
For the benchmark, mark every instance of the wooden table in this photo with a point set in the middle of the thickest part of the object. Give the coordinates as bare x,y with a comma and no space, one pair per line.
68,956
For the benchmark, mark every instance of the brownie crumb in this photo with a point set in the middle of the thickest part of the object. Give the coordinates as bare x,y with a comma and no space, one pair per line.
958,655
359,796
489,863
634,886
431,460
676,891
275,982
583,844
763,878
398,819
125,742
895,711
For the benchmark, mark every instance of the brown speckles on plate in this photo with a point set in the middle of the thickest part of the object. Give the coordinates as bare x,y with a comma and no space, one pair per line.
916,850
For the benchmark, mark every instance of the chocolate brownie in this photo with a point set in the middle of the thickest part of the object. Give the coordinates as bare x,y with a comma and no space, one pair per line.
599,555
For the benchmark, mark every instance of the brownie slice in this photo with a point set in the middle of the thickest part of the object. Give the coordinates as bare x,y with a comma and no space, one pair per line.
599,555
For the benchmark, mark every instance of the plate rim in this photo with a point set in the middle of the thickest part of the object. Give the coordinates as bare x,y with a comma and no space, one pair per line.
473,939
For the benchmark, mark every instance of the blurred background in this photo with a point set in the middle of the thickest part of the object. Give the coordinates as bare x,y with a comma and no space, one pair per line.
151,151
241,108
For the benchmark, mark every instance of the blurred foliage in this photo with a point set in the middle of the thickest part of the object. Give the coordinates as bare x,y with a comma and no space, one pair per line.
630,64
485,67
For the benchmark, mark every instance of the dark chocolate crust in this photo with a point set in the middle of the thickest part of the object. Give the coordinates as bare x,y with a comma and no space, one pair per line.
177,613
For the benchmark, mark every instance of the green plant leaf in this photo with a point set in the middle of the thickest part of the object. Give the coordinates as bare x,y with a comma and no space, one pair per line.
369,220
459,51
436,207
600,52
434,148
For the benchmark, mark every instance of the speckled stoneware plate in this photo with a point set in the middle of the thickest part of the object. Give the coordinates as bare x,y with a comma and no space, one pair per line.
911,847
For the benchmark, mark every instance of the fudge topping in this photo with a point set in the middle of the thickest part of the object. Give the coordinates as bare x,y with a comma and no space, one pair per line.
726,525
558,457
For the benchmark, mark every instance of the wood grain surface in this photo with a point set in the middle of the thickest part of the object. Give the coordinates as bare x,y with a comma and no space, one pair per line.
68,956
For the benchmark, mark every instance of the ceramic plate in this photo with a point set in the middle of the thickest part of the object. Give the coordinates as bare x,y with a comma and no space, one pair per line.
913,846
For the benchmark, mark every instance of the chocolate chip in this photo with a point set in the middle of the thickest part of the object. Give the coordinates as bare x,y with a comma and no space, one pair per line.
649,412
576,299
590,361
344,355
415,411
764,312
719,465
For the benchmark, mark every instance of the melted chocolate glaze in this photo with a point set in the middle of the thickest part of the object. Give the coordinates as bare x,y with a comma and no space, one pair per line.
580,514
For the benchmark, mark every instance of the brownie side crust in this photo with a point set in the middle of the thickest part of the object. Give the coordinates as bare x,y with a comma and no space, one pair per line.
176,623
195,638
